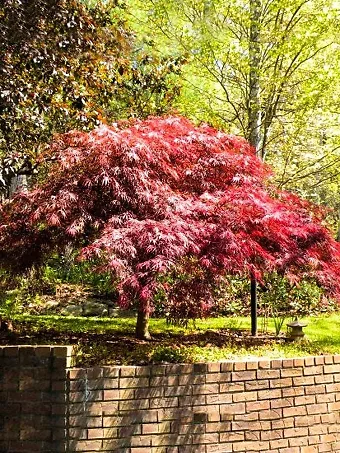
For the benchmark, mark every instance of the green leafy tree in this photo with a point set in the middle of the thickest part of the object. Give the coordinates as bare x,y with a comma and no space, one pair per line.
71,65
263,69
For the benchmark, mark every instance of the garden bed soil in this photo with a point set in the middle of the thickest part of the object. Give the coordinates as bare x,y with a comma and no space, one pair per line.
109,348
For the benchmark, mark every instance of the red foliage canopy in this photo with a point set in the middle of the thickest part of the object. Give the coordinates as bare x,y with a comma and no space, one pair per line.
140,199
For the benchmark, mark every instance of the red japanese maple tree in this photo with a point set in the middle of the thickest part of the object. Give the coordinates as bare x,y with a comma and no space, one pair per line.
145,198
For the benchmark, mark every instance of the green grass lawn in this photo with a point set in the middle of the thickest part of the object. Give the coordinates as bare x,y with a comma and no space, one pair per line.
111,340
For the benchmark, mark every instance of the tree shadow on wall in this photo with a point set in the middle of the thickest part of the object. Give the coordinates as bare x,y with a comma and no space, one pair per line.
152,408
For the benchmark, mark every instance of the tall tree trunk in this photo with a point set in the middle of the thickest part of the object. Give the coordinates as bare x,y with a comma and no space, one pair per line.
142,326
255,116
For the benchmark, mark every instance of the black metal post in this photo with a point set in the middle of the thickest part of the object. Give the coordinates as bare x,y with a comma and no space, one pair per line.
253,306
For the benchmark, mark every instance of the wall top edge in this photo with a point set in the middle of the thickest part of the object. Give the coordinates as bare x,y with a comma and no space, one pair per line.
250,364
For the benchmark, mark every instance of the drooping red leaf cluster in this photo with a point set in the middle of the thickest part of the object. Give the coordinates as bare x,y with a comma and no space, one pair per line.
142,198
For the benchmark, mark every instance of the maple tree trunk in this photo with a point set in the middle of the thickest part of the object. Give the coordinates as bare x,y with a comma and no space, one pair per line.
5,326
142,326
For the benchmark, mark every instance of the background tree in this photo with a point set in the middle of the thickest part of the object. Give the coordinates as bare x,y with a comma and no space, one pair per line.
71,65
266,70
164,196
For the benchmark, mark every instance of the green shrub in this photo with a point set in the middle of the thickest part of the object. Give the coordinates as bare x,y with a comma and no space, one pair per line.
171,354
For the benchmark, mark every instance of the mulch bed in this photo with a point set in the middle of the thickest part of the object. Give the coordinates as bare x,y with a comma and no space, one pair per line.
107,348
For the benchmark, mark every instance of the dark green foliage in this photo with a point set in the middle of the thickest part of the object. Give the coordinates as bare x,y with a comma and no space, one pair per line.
171,354
71,65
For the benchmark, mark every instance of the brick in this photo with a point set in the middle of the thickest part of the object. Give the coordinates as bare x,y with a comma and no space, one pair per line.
328,359
317,409
251,416
284,402
278,443
299,362
222,398
264,364
218,427
268,374
294,391
324,379
257,405
13,351
227,366
200,368
77,373
291,372
250,426
295,432
152,392
95,433
178,369
294,411
206,438
251,446
109,408
165,381
85,445
214,367
195,400
252,365
271,414
317,429
328,398
298,441
303,400
232,437
336,358
333,369
309,361
240,366
308,420
127,405
252,435
205,389
331,407
313,370
269,394
110,383
168,439
256,385
284,423
244,396
243,376
110,372
287,363
277,363
183,414
328,438
125,383
190,379
220,377
164,402
232,387
184,390
333,388
305,380
235,408
272,435
315,389
280,383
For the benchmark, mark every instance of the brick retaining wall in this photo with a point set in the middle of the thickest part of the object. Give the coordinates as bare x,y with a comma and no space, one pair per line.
274,406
